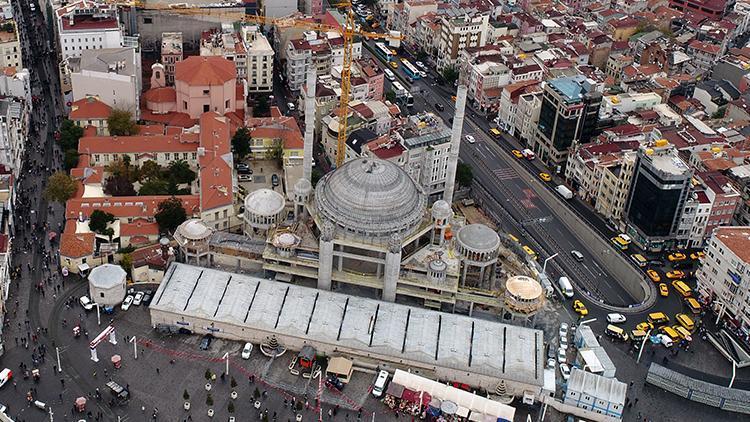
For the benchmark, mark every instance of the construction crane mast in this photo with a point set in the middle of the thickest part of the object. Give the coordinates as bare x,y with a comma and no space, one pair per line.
348,31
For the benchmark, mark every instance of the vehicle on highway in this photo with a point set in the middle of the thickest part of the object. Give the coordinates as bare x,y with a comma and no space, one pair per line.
275,180
291,106
663,289
656,263
565,371
565,286
622,241
380,382
644,326
86,303
495,133
693,305
393,65
138,298
206,342
676,274
615,318
637,335
682,288
670,332
389,74
639,260
616,332
665,340
421,65
577,255
247,350
564,191
658,318
530,252
126,303
545,177
561,357
517,153
580,308
470,139
682,332
453,98
697,255
676,256
685,321
653,275
439,107
528,154
5,376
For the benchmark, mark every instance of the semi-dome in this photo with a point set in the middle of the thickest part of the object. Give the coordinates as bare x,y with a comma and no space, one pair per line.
370,197
478,238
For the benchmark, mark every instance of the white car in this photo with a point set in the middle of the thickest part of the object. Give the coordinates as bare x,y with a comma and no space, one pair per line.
665,340
247,350
86,303
244,177
551,362
138,298
616,318
470,139
565,371
561,356
126,303
564,343
5,376
564,330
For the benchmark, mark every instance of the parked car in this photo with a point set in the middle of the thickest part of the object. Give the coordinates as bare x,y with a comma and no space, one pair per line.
332,381
439,107
565,371
243,168
551,362
663,289
247,350
206,342
561,357
86,303
653,275
563,330
677,256
244,177
580,308
147,299
5,376
126,303
138,299
275,180
615,318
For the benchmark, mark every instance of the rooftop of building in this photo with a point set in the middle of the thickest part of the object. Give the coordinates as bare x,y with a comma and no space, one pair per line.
737,239
171,43
89,108
571,88
205,70
122,60
495,349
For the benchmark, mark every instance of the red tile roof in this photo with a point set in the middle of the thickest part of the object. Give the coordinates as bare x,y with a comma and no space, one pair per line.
87,23
165,94
136,144
152,129
139,228
705,47
89,108
215,172
77,245
182,120
127,206
205,70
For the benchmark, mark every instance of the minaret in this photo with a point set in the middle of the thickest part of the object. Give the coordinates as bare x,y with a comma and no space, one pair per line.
309,124
325,256
392,268
458,124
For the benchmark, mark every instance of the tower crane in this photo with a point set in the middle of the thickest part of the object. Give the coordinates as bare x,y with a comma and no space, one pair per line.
348,31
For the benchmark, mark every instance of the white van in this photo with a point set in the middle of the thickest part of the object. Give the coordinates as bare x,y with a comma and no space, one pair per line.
565,286
379,387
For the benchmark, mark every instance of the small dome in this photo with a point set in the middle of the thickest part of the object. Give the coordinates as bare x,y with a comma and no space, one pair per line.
370,197
194,229
441,210
264,202
302,187
478,238
107,276
523,288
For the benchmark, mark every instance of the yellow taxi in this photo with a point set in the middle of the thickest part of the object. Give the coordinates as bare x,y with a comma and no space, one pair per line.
453,98
676,274
513,238
394,65
545,176
663,289
697,255
517,153
580,308
645,326
677,256
653,275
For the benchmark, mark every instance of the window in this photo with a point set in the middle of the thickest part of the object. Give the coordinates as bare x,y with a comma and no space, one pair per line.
206,108
101,294
205,92
184,105
147,21
226,104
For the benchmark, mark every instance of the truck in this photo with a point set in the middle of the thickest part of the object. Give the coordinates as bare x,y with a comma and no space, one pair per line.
565,286
564,191
528,154
395,39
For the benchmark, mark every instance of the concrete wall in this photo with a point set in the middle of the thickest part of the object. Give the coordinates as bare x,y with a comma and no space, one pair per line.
244,333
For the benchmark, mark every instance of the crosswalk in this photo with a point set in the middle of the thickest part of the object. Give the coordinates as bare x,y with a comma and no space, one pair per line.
505,173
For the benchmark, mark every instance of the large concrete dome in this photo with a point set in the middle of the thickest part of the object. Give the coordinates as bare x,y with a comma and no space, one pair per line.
370,197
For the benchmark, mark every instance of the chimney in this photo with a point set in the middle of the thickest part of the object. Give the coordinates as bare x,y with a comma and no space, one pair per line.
458,124
164,243
309,124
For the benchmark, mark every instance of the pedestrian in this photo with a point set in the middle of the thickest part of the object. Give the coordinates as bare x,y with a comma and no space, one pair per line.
157,372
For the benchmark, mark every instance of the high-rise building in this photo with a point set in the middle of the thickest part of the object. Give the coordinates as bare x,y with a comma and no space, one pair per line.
259,60
660,187
569,114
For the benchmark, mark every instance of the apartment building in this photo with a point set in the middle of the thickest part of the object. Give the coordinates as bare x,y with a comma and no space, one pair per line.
312,7
628,102
227,44
113,75
712,9
427,142
171,53
569,115
406,15
703,55
508,110
88,25
723,278
259,59
459,30
483,69
370,72
10,47
527,114
90,112
14,126
302,53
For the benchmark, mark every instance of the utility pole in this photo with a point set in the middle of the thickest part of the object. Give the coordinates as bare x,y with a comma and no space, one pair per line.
59,367
544,266
226,360
135,347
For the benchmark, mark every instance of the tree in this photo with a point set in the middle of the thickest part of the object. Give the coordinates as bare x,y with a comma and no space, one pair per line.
127,264
207,374
185,395
99,220
150,170
464,175
154,187
315,176
276,153
60,187
390,96
241,142
450,74
180,172
233,383
261,106
230,407
171,214
421,55
121,123
718,114
209,400
118,186
71,159
256,393
122,167
70,133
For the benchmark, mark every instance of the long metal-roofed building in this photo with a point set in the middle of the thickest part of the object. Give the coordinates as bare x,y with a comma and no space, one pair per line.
454,347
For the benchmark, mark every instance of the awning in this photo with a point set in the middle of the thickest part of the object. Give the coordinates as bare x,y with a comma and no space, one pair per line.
83,267
476,417
340,366
462,412
307,353
395,390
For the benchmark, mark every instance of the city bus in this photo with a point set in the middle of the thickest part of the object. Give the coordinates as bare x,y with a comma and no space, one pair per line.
383,52
682,288
402,94
411,70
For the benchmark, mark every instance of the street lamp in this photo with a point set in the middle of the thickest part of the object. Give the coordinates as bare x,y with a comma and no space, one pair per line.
98,317
643,344
544,265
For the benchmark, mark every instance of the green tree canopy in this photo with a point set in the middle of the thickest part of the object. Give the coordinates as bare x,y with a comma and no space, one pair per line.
70,133
261,106
117,185
241,142
171,214
150,170
450,74
70,159
121,123
390,96
99,220
464,175
155,187
60,187
180,172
